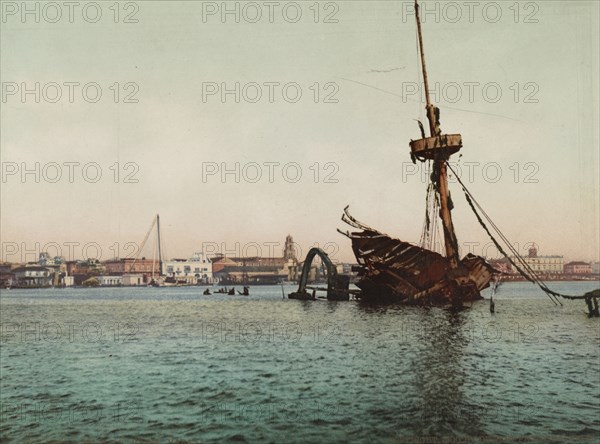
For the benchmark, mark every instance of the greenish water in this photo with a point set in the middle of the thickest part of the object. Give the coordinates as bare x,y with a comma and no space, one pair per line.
166,364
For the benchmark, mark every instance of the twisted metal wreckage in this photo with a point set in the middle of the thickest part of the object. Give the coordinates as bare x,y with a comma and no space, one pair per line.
392,270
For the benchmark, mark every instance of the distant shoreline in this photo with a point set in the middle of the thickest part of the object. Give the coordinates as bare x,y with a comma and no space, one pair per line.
553,278
504,279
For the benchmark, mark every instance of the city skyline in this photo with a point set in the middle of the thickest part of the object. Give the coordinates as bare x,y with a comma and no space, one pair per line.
13,252
218,145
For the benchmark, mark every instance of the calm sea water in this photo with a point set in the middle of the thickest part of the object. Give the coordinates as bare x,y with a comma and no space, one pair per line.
170,364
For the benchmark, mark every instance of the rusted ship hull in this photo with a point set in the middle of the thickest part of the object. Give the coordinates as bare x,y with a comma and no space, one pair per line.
395,271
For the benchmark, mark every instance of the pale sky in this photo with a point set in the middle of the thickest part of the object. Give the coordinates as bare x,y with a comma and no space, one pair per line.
541,134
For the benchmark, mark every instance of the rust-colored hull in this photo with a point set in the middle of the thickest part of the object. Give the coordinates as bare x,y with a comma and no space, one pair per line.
395,271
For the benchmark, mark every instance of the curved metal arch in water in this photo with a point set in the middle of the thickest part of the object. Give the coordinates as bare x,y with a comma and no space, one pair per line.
337,285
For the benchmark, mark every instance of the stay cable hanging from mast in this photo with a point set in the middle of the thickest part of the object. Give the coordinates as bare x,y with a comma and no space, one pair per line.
529,274
393,270
142,244
159,243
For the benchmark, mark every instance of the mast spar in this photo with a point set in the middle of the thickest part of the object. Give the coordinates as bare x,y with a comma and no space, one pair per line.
159,248
438,148
429,107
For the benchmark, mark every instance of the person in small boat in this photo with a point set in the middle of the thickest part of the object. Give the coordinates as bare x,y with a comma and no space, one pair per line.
231,292
206,292
246,291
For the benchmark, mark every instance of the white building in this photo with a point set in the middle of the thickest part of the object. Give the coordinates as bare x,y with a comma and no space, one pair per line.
33,276
131,280
197,269
544,264
110,281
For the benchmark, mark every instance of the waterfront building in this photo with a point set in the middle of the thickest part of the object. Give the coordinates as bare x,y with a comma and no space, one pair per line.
578,267
57,266
82,270
85,267
221,262
7,278
146,267
132,280
256,269
195,270
543,264
110,281
501,265
33,276
595,267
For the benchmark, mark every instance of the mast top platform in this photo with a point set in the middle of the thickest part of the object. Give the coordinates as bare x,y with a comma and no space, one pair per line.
437,147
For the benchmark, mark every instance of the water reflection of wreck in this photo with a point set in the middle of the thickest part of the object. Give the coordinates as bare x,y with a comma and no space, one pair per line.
394,270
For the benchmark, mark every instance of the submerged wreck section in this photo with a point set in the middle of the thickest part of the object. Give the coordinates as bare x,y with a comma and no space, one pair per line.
337,285
392,270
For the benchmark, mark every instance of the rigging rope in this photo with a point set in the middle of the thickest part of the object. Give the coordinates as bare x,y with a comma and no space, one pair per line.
530,275
142,245
430,233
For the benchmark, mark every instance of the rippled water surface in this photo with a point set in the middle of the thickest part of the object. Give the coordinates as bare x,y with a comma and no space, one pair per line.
170,364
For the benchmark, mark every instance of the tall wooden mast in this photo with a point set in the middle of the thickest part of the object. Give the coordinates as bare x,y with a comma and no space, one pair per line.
159,249
438,148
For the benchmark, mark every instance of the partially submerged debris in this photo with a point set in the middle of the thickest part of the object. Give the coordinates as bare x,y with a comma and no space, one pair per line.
396,271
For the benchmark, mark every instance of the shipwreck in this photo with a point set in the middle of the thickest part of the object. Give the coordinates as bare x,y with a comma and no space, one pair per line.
396,271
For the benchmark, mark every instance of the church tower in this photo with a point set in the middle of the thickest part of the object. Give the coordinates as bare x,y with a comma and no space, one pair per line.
288,250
